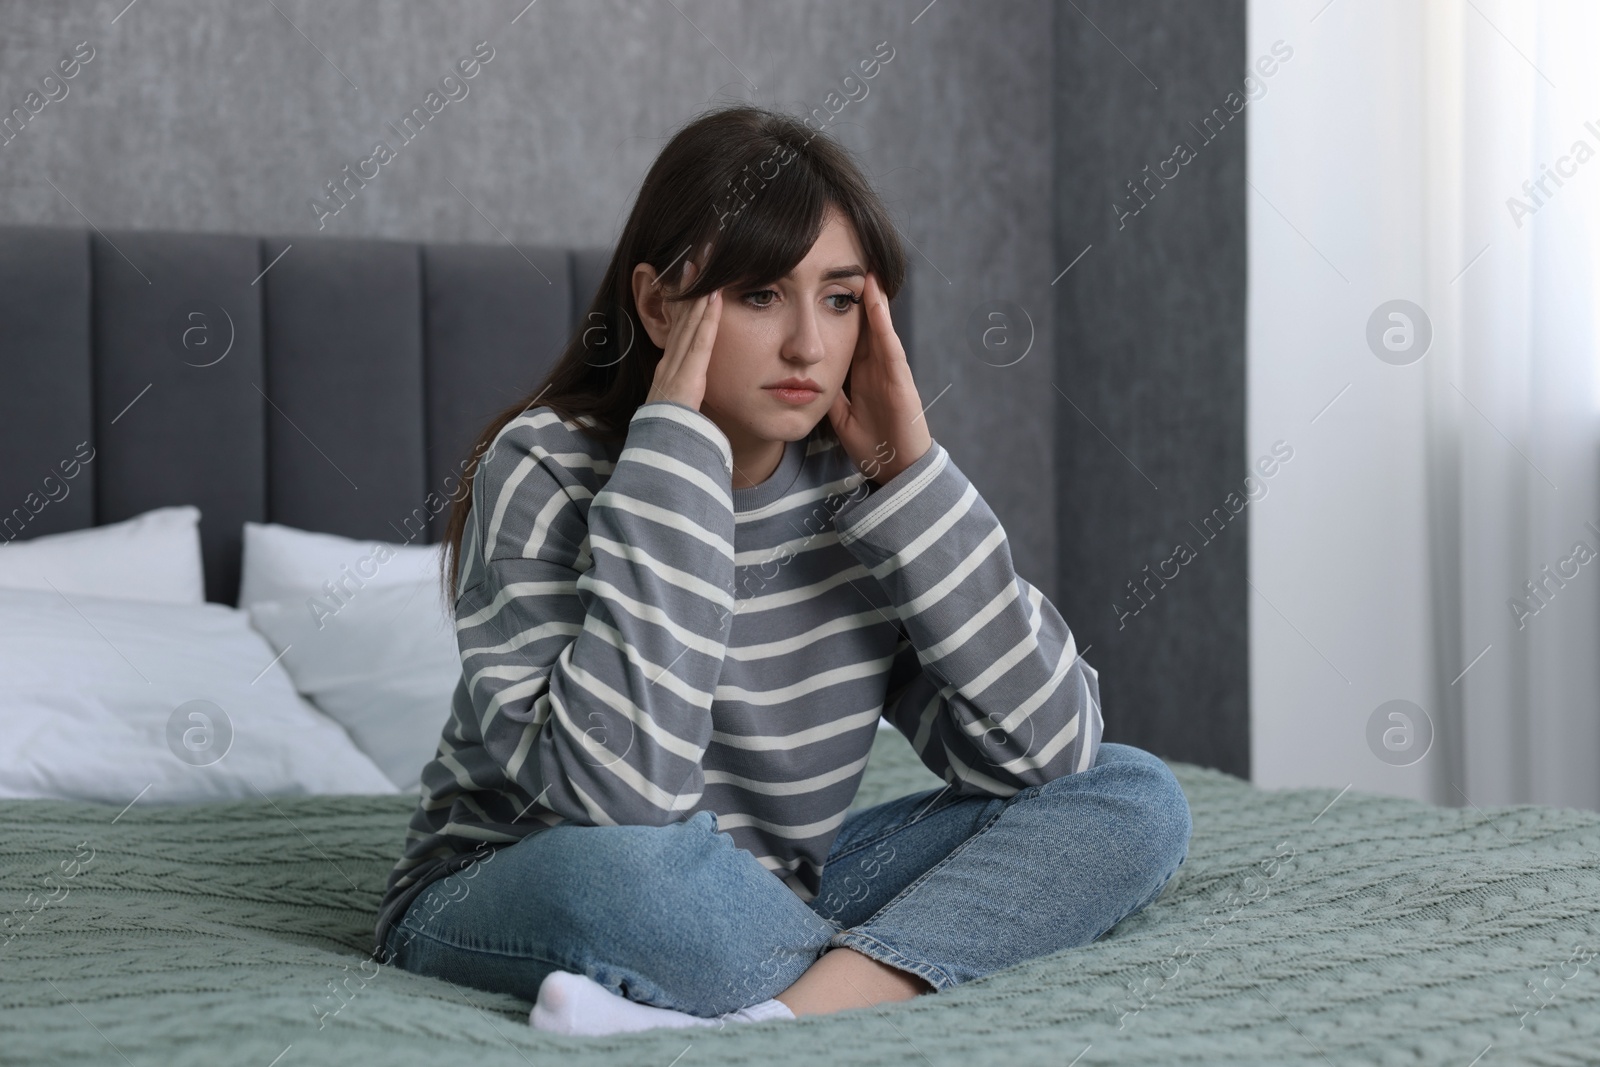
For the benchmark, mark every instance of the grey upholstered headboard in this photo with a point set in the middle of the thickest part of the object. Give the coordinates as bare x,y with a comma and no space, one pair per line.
331,384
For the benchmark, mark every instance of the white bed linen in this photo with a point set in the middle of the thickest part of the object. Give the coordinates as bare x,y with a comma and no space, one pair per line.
96,704
153,556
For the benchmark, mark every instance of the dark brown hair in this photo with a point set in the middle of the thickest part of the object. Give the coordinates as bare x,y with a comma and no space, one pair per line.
755,186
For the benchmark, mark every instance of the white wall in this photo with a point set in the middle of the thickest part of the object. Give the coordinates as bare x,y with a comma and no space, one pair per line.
1340,613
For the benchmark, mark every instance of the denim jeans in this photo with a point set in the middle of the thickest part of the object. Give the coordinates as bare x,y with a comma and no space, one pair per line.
945,886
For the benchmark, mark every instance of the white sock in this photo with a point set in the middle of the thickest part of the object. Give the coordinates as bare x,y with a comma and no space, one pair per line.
576,1004
570,1003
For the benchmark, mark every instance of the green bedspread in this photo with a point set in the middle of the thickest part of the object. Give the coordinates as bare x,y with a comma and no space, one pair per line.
1373,930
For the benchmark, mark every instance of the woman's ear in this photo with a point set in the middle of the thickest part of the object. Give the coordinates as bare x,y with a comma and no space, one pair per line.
649,300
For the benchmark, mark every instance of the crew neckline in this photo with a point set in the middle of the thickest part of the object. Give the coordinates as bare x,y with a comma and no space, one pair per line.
777,483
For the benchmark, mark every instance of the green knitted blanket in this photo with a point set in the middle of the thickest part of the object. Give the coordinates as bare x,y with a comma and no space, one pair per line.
1306,927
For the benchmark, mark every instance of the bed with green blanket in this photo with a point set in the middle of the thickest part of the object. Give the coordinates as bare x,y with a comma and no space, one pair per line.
1307,926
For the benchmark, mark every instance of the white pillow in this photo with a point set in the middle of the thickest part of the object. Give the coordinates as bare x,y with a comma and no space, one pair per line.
282,562
389,667
98,702
385,665
153,556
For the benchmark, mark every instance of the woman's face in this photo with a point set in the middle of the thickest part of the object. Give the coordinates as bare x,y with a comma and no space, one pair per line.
801,326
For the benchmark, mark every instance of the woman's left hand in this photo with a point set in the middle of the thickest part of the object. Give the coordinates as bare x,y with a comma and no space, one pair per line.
881,425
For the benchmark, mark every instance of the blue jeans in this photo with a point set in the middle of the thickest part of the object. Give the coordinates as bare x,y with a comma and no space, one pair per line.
944,886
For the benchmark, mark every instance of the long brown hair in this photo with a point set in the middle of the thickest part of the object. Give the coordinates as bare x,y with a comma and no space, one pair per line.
752,183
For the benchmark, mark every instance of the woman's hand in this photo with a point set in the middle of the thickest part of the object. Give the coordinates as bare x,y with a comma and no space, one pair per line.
881,424
681,374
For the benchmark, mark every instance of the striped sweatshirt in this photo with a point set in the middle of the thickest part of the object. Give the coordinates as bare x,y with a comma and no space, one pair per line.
641,641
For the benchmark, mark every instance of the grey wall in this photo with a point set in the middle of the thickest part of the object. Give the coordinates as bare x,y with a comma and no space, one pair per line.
1151,370
230,117
222,117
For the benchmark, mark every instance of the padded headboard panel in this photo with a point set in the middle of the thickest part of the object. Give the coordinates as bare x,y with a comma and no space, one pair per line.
331,384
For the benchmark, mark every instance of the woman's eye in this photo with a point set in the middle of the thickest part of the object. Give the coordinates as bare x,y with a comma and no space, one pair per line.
845,300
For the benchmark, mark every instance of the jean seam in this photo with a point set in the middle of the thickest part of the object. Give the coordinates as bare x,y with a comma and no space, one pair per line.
448,943
935,975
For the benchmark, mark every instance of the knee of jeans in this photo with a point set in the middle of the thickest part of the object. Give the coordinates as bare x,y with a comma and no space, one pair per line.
1168,824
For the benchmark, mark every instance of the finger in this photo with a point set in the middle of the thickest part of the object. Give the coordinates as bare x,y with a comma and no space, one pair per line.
882,322
704,338
877,304
683,320
693,320
864,338
673,304
686,277
869,302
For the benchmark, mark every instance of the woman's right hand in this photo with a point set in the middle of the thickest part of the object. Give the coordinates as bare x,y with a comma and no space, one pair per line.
681,374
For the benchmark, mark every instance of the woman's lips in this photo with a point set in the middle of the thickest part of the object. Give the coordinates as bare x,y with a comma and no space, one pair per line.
794,396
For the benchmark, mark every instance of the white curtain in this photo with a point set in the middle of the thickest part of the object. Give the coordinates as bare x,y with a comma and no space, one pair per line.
1512,213
1421,544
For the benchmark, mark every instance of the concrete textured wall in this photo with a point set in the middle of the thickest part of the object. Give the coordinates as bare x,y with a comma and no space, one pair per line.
229,117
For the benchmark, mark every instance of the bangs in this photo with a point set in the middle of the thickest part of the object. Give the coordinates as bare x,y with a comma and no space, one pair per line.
766,226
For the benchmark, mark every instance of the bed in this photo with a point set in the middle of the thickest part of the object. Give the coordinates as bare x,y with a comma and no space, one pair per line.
1316,926
1306,927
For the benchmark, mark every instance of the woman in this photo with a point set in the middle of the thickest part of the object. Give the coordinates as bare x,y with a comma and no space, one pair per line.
692,572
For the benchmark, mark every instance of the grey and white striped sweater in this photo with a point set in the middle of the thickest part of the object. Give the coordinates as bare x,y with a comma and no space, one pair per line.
641,641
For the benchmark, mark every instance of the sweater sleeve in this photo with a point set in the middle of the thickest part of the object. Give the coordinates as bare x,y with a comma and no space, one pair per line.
986,682
592,644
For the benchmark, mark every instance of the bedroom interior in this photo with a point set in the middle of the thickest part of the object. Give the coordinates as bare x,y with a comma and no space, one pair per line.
1302,477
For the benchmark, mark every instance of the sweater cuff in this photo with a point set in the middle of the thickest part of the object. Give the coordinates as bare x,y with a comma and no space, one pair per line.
899,501
694,421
